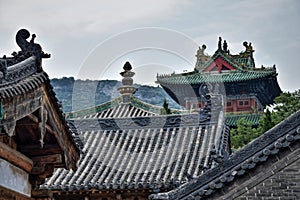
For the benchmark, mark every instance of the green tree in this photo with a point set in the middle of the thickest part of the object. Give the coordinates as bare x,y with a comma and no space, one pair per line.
165,110
285,105
243,134
265,123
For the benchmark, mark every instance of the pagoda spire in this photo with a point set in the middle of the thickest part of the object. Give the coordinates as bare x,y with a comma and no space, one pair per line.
127,89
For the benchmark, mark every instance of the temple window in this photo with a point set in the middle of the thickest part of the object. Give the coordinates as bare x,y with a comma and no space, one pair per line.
243,103
228,104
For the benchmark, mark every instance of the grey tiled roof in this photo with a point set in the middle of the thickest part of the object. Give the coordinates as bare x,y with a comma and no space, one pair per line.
147,152
125,110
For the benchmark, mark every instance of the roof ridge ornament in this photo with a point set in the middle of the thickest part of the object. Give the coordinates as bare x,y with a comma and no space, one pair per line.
127,90
248,54
225,46
248,51
220,44
201,56
30,48
26,62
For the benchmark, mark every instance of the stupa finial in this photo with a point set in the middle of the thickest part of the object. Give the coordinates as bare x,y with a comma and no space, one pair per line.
127,66
127,90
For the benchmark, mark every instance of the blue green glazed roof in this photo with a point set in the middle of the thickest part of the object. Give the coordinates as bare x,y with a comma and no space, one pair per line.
231,119
215,77
99,108
243,65
151,108
115,108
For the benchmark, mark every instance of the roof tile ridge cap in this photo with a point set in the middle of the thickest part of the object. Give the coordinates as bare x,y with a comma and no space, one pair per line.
94,108
21,63
261,70
156,107
114,101
143,102
19,66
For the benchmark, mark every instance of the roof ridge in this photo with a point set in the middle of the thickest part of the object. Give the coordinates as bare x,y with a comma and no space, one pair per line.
94,109
134,101
139,103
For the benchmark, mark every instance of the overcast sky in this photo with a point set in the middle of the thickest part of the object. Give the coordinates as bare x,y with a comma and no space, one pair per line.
92,39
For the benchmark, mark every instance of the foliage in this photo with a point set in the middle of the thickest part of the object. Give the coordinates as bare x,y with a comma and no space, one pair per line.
243,134
285,105
266,122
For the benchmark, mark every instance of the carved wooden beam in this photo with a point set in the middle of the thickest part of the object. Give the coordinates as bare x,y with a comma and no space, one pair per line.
16,158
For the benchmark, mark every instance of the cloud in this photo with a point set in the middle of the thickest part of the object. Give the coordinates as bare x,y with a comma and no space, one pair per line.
77,18
69,30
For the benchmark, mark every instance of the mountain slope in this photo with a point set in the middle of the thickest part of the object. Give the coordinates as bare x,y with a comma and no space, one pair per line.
80,94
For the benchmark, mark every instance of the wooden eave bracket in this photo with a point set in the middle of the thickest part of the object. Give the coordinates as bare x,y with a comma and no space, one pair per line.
44,167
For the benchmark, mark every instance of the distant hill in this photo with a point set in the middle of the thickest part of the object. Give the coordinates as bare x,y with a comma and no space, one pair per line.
80,94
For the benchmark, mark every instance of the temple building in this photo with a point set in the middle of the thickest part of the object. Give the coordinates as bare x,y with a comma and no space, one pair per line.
247,90
35,137
130,151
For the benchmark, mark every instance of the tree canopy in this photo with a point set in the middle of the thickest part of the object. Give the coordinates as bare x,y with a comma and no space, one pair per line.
284,105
